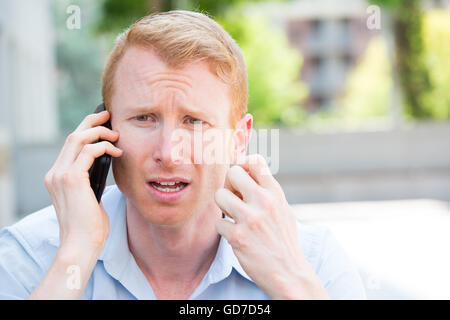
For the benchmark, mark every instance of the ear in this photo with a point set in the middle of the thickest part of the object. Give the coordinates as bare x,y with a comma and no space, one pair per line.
241,137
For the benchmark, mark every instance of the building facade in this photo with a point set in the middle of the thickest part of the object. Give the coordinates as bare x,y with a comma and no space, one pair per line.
28,102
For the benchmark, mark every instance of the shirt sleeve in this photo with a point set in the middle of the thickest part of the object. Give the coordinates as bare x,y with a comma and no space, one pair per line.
19,272
339,276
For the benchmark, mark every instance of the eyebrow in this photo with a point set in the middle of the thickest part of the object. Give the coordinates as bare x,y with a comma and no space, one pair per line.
195,112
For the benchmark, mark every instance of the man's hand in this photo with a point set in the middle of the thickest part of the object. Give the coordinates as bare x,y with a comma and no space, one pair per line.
80,217
83,223
264,233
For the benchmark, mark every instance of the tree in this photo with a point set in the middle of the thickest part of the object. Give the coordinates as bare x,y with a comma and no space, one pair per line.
119,14
409,65
369,85
273,67
436,31
79,62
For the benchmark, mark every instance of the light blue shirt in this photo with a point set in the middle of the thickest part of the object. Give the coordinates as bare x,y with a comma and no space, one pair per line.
27,250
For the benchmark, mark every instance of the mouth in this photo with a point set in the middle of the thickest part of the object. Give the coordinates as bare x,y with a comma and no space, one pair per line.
168,190
169,186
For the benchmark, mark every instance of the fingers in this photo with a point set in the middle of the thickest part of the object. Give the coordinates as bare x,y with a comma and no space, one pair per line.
81,148
78,139
239,182
93,120
256,166
230,204
227,185
236,236
91,151
224,228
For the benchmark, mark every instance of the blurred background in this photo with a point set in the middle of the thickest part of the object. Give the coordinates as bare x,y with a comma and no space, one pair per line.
360,91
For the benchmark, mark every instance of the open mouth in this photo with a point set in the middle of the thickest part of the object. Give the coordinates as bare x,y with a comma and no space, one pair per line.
168,189
168,186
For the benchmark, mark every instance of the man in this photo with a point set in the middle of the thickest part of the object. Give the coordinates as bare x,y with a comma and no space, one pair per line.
159,233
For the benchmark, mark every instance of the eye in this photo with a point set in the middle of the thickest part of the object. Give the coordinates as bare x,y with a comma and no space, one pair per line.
144,117
191,120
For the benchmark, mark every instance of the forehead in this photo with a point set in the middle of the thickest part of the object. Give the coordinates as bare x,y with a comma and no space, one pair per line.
142,76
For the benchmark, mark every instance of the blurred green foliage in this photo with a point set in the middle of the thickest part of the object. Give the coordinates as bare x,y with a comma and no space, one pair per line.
410,65
389,4
275,92
272,67
436,35
116,15
79,61
119,14
369,85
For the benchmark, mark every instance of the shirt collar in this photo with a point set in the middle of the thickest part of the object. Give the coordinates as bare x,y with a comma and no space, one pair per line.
224,262
120,263
116,256
114,204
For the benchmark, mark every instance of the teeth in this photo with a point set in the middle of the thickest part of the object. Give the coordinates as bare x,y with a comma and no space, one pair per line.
168,183
168,189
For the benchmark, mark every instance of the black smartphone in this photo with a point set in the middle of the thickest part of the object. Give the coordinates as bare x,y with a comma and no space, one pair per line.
99,170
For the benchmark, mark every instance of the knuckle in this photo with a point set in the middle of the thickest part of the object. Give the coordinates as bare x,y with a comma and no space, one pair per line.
219,194
261,193
268,202
57,178
90,117
89,148
238,238
253,221
105,146
66,177
72,138
271,204
101,130
48,178
70,178
263,196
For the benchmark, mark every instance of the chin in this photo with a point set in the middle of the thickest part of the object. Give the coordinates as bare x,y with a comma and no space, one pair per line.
163,215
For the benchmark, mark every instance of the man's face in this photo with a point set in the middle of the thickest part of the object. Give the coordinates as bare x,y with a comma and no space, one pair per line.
151,105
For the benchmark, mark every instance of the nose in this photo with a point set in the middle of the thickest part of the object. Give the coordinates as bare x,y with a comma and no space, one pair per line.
163,152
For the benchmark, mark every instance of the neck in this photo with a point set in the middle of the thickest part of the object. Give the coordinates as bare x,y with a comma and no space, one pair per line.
174,256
